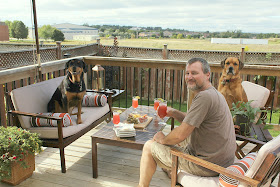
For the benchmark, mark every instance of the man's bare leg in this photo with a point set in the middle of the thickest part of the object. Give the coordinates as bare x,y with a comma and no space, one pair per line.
148,165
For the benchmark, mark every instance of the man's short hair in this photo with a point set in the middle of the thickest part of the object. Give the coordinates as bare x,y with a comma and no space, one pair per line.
204,63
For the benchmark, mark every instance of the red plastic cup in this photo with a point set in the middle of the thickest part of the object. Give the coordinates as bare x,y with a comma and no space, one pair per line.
162,109
116,117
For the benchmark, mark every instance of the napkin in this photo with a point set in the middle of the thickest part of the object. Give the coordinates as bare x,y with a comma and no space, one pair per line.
125,130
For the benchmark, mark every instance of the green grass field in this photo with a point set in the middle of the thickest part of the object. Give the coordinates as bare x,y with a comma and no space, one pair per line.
189,44
193,44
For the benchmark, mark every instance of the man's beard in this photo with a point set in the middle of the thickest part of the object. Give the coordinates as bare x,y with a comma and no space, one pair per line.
195,87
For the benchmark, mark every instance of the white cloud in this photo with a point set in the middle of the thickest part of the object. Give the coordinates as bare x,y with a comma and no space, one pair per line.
199,15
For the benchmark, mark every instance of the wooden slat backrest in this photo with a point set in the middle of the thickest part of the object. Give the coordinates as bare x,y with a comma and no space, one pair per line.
269,168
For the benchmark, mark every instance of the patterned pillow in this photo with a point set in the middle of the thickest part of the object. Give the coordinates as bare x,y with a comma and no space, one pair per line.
42,122
94,99
240,167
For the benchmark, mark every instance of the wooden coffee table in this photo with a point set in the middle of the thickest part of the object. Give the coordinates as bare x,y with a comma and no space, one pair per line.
107,135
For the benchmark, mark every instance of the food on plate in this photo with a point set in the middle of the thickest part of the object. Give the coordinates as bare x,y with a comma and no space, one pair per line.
137,118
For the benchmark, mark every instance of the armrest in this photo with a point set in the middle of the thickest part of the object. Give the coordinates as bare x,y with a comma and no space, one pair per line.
59,119
250,140
34,115
211,166
103,92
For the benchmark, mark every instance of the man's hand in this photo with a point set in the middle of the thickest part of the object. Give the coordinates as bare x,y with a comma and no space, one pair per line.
159,137
169,111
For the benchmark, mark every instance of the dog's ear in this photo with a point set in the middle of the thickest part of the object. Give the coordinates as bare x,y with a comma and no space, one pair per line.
241,65
223,63
67,64
84,67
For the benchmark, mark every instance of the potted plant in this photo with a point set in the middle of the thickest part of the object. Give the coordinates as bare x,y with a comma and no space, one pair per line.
17,150
244,115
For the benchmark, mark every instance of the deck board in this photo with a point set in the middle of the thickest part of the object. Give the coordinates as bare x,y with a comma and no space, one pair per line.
117,167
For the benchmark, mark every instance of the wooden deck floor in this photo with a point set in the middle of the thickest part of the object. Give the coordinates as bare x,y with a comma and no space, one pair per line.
117,167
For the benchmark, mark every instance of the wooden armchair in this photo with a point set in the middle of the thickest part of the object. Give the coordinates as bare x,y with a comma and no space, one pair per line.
263,170
262,98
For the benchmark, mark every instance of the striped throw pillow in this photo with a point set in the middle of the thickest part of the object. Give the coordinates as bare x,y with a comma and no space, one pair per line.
42,122
94,99
240,167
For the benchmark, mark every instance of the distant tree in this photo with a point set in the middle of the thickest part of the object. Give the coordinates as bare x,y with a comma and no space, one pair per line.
132,36
9,24
180,36
225,34
123,29
158,28
112,30
58,35
101,34
46,32
19,30
236,34
174,35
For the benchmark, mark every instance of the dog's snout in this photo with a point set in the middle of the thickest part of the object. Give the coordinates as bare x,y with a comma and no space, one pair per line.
74,69
230,70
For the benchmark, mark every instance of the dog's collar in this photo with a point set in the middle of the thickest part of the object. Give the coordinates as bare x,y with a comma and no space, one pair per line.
80,84
228,81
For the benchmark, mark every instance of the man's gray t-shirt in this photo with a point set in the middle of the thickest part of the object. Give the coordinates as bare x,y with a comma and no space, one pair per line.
213,139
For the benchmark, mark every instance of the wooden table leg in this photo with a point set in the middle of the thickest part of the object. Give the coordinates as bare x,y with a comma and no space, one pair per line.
94,158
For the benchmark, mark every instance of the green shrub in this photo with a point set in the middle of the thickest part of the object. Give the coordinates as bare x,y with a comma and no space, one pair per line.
15,144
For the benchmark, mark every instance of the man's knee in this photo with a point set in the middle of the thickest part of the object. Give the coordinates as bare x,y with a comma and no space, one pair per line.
148,146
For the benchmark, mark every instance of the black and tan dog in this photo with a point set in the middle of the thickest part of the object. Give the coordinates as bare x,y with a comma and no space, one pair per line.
230,81
70,92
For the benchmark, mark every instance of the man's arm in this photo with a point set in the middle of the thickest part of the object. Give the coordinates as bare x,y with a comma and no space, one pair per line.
176,114
176,136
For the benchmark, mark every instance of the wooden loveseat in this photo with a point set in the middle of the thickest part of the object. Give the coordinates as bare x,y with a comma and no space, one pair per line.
28,101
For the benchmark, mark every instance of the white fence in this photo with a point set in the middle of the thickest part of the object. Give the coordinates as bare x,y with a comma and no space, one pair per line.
238,41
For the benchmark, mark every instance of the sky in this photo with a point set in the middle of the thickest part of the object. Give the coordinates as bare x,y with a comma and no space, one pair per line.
254,16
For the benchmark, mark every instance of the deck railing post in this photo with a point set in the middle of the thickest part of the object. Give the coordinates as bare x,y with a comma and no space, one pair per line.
242,57
165,52
167,73
58,50
98,46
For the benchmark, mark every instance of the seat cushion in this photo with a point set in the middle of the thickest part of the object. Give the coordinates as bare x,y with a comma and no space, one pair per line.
34,98
240,167
189,180
257,93
267,148
89,115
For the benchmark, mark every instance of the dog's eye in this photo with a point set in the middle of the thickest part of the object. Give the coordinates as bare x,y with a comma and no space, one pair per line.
235,64
227,63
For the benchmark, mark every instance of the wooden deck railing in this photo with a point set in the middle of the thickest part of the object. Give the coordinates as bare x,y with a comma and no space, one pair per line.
148,78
